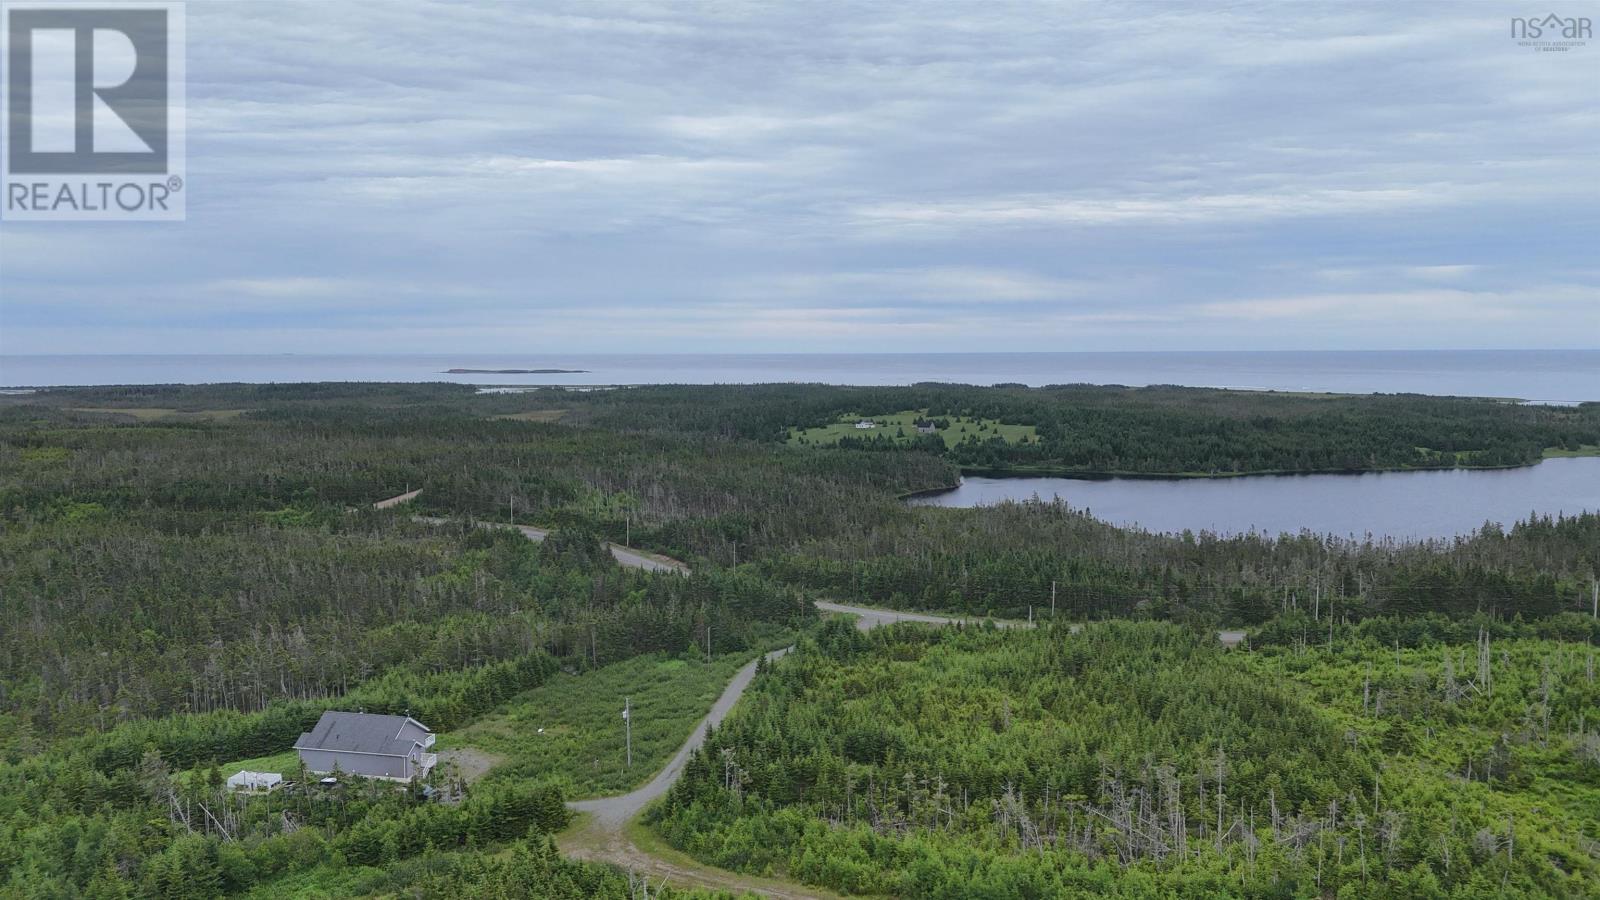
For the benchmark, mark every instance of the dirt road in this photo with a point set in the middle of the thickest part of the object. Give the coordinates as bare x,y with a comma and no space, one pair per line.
614,812
602,834
625,556
407,497
611,813
870,617
650,562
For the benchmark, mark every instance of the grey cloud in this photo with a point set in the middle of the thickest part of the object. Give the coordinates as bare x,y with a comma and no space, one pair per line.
814,176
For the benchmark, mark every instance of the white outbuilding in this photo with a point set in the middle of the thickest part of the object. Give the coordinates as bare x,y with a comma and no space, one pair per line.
255,782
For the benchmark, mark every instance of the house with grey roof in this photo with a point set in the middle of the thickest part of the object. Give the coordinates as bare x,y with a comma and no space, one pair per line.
373,746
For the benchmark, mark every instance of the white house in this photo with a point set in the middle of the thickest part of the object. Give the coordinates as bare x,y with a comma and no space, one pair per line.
245,780
866,423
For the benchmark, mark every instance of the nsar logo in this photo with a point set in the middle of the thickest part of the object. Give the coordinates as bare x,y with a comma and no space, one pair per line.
1552,33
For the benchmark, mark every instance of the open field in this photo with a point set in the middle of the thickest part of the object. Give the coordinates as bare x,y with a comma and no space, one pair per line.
534,415
571,727
902,426
1561,453
286,764
147,413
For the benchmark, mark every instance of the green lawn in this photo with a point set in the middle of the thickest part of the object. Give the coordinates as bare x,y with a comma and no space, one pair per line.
286,764
147,413
1463,457
902,426
582,742
1559,453
534,415
1454,458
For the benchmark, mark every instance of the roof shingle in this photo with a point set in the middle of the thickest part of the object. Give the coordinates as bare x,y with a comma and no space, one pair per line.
363,733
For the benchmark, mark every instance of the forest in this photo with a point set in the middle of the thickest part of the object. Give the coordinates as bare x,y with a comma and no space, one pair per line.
1142,759
190,575
1109,429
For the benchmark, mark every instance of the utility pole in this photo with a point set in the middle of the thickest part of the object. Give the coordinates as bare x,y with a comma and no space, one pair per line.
1594,599
708,640
513,509
627,726
1052,599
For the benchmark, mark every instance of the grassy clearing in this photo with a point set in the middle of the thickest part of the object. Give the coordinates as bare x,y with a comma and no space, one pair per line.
147,413
534,415
286,764
1450,457
1561,453
902,426
582,742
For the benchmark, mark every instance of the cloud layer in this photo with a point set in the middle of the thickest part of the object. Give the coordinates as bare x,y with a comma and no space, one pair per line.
421,176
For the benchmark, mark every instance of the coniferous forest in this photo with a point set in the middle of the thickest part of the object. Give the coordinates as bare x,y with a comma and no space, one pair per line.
1142,759
189,576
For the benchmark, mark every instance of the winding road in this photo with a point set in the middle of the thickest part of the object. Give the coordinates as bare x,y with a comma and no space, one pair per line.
611,813
614,812
601,832
601,836
625,556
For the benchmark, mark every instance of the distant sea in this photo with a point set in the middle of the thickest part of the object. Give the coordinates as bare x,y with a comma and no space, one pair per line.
1547,376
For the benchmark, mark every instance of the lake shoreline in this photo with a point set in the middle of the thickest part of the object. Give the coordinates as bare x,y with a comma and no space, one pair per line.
1407,505
1082,475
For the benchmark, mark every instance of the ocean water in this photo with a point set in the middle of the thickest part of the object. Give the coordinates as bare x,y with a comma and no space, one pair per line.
1547,376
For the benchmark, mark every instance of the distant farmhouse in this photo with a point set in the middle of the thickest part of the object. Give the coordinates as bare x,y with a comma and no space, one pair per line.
866,423
927,428
372,746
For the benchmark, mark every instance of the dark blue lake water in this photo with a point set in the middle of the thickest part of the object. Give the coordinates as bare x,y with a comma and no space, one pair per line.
1402,505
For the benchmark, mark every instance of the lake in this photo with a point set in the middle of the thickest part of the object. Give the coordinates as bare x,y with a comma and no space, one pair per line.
1557,376
1402,505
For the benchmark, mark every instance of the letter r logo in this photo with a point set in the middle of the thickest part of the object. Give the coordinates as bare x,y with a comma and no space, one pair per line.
87,91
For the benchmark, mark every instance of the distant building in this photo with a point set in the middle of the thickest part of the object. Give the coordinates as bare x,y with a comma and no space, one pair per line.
926,429
372,746
255,782
866,423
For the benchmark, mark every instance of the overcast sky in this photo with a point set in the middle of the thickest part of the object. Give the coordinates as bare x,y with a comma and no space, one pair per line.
505,177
